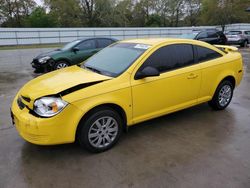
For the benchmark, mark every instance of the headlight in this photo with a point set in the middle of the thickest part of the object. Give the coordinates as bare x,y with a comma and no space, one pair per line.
49,106
44,59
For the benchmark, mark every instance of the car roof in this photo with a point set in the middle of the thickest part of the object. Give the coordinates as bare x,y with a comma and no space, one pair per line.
155,41
98,38
236,30
208,29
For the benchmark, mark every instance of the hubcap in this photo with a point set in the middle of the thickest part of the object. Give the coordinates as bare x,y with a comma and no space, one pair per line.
61,65
225,95
103,132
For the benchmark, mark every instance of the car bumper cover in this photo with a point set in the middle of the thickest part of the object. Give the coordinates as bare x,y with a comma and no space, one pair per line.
59,129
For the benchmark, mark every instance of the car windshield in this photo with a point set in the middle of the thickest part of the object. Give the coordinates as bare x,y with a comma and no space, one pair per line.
188,36
70,45
115,59
234,33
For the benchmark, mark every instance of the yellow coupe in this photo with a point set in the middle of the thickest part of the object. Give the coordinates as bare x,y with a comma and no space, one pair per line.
126,83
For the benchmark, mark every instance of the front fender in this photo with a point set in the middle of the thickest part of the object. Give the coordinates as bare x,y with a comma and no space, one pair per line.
121,98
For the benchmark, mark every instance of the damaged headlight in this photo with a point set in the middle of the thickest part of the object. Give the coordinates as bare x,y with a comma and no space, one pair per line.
44,59
49,106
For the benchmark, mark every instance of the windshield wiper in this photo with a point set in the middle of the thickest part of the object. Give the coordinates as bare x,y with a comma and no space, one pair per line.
93,69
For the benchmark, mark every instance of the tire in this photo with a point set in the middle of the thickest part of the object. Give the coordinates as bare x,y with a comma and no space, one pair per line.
38,71
244,44
223,95
61,64
95,135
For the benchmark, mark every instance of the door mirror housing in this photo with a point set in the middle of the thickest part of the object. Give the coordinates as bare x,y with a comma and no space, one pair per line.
147,72
75,49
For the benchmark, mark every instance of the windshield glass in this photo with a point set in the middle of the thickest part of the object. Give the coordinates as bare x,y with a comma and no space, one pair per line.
70,45
115,59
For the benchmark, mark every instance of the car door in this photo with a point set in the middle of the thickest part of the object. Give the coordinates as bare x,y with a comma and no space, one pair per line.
84,50
211,67
177,86
213,38
209,37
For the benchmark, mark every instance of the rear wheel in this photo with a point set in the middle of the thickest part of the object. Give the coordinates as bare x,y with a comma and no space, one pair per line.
223,96
100,130
244,44
60,65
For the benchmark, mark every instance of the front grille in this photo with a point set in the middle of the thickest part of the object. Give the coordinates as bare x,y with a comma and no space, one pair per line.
20,103
35,61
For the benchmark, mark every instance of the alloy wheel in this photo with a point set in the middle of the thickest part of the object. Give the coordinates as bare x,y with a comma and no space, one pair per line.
225,95
61,65
103,132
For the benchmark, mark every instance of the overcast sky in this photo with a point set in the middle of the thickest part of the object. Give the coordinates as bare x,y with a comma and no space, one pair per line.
39,2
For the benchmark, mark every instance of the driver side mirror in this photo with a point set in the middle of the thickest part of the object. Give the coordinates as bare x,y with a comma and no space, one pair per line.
147,72
75,49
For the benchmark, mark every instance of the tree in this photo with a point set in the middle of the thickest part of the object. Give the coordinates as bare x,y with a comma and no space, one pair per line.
222,12
142,11
13,12
39,18
122,13
192,10
171,11
88,11
122,16
66,13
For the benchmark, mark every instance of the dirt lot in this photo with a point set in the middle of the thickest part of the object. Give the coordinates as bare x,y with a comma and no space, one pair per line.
196,147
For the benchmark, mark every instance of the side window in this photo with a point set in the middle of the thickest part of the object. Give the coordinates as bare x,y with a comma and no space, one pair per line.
212,35
86,45
247,32
202,35
171,57
206,54
102,43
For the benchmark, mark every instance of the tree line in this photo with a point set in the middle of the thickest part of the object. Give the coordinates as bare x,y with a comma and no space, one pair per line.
122,13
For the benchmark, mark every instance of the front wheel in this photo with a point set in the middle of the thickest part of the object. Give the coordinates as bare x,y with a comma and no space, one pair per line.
61,65
223,96
100,130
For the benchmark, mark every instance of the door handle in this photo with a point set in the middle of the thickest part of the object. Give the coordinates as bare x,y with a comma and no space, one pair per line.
192,76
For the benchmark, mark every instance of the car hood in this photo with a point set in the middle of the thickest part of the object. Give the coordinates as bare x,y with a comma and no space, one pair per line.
61,82
50,53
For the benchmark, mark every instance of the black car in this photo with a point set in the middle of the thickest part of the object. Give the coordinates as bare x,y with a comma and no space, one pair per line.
72,53
212,36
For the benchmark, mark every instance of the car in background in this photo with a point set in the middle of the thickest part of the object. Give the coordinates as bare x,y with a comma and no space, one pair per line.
211,36
241,37
72,53
124,84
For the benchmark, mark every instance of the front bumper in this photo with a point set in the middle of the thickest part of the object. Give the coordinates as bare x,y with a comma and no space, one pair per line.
59,129
43,67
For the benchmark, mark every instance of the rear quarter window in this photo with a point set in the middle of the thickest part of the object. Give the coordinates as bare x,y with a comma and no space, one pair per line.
102,43
212,35
206,54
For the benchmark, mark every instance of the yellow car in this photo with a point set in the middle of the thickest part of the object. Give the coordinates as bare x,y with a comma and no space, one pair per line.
126,83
